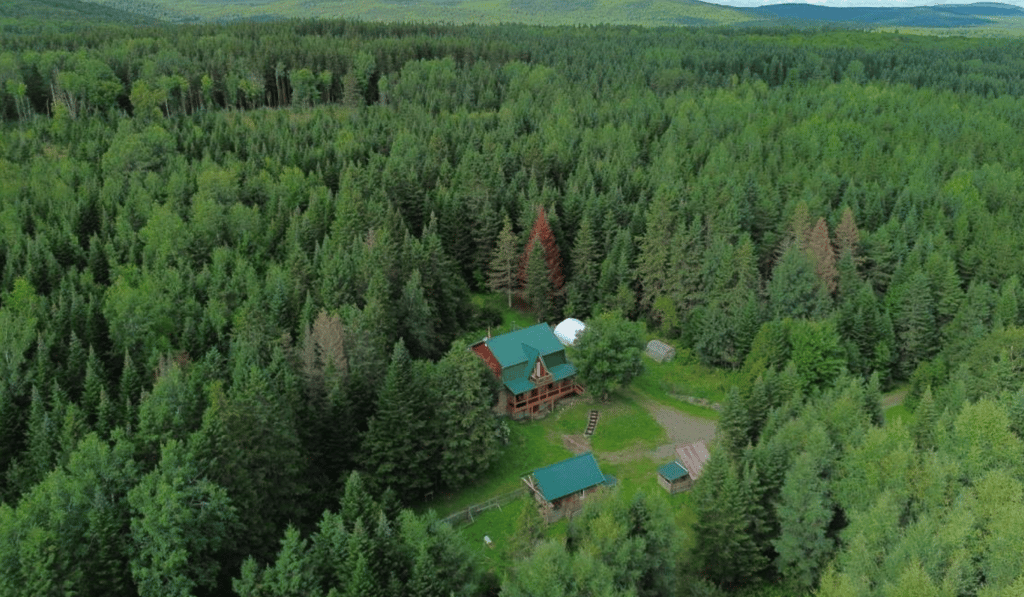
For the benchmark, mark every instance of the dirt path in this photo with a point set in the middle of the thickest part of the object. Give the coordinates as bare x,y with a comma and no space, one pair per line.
680,428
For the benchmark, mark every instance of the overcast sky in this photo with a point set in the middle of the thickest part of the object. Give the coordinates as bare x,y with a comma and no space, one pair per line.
841,3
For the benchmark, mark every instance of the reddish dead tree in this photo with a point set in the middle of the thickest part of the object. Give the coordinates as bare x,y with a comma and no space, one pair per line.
542,231
820,248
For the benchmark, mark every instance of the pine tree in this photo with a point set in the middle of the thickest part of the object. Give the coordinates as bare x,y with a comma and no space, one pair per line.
180,521
805,514
94,386
581,291
795,290
725,550
538,287
503,267
468,435
397,445
653,264
248,445
927,416
872,399
800,226
74,373
131,382
41,452
820,247
417,319
106,415
552,259
735,424
356,503
914,323
847,235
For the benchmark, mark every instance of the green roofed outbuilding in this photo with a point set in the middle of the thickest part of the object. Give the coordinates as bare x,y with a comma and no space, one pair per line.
561,488
674,477
533,369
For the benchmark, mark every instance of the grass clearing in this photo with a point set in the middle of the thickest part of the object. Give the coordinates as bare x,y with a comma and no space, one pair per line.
529,447
899,413
625,424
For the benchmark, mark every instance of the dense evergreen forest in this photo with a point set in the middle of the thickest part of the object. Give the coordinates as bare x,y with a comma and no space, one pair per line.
236,277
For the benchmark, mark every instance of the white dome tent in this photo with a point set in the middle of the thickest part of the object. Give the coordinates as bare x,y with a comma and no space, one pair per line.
568,330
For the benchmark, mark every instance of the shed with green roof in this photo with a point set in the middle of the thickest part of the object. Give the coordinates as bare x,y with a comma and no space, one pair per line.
674,477
561,488
533,370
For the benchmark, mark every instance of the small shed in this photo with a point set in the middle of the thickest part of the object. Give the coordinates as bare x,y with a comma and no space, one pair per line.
660,352
568,330
693,457
674,478
561,488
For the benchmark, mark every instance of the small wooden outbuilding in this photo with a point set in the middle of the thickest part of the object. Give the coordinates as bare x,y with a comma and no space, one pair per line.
674,478
561,488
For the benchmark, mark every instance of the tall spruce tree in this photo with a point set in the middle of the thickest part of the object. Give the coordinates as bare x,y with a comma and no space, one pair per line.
537,286
399,445
503,271
726,550
581,292
805,514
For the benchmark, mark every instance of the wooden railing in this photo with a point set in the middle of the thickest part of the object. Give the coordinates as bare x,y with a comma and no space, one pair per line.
465,516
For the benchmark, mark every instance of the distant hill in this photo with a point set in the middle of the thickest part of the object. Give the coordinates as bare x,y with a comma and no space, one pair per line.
69,13
980,18
940,16
537,12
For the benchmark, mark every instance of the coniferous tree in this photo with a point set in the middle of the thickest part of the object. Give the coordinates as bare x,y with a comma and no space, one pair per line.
417,318
249,446
94,385
726,551
805,515
542,235
470,433
735,424
537,286
795,290
820,247
582,288
653,263
914,323
399,450
180,521
847,234
503,267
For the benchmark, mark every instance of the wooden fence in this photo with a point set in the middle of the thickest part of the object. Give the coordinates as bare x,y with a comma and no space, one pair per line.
465,516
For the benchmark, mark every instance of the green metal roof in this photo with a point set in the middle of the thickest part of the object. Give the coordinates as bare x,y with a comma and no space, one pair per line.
517,351
508,348
568,476
673,471
562,371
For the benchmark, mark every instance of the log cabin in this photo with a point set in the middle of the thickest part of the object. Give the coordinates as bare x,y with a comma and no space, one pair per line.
533,370
560,489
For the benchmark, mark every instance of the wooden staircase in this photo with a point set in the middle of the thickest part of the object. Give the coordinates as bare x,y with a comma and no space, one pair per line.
591,424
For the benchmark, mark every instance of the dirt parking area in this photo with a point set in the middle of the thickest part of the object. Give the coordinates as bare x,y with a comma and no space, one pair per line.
680,428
